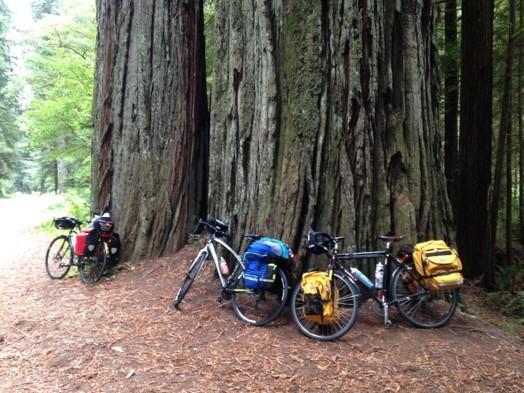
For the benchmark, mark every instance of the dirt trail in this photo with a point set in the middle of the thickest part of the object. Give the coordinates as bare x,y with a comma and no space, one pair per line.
122,336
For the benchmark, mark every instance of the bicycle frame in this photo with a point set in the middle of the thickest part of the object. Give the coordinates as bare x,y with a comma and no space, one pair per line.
382,295
210,249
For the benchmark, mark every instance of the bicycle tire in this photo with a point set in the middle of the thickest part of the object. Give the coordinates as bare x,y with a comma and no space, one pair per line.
92,268
58,250
425,308
192,273
259,307
347,305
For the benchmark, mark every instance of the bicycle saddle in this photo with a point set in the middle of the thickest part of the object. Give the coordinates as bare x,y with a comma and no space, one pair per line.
391,238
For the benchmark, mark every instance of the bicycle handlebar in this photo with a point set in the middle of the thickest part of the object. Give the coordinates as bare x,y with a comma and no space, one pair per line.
214,226
325,243
252,236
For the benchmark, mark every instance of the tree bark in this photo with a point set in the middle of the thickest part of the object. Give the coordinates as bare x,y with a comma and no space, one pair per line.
324,114
150,136
504,142
520,120
451,97
473,235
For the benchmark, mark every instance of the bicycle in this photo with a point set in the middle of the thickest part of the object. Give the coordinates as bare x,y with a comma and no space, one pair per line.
60,256
253,306
400,286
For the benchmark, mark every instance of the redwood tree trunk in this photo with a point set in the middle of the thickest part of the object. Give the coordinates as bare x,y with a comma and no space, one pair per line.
520,126
324,114
473,234
150,118
451,96
503,147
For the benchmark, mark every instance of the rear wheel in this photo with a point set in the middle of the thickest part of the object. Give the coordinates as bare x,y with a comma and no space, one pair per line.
347,306
59,258
259,306
422,307
194,270
92,268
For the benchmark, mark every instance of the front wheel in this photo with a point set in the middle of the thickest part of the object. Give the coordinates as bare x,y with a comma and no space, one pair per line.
92,268
59,258
348,295
259,306
420,306
194,270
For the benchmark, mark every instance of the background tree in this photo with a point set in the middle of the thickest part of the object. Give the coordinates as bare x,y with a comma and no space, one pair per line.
58,117
325,114
40,8
151,122
9,131
473,235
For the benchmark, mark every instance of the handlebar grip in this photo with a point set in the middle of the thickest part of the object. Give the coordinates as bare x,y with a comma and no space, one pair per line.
197,229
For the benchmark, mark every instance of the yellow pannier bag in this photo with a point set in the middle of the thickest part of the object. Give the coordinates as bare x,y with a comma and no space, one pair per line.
320,298
438,264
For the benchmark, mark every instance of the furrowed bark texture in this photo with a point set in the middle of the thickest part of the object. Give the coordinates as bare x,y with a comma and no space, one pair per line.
324,114
451,97
151,122
473,223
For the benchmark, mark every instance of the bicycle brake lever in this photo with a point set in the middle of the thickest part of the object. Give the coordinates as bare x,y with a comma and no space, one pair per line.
252,236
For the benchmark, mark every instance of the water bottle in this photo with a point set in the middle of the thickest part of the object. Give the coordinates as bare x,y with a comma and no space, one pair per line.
379,275
361,277
224,269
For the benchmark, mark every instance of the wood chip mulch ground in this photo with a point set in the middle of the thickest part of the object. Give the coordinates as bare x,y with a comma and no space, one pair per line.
122,335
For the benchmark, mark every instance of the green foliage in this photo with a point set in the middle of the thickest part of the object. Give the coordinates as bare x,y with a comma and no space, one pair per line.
42,7
510,303
510,296
75,204
9,132
58,118
510,278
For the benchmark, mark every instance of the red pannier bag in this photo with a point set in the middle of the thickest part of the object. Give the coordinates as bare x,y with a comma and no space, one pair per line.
81,243
83,240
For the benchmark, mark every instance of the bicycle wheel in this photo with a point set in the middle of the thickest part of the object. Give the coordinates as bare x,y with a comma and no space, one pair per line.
259,307
421,307
347,306
194,270
92,268
58,258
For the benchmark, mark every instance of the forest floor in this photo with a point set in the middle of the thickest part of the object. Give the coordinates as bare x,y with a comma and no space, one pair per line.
121,335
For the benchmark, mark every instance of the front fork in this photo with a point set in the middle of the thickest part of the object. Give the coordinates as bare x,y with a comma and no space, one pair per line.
383,294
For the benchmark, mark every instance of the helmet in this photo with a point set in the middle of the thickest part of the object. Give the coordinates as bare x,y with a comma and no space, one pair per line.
319,242
103,224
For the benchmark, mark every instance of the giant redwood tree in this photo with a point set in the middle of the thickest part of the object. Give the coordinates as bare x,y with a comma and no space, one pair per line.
150,121
473,234
324,113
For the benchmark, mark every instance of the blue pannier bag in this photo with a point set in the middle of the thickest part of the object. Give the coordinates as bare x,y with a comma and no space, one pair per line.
259,258
259,275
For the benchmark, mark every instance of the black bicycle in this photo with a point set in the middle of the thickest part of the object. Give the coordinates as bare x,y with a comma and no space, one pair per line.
396,282
253,306
60,256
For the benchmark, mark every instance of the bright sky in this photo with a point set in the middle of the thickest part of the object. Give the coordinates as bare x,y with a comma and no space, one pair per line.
21,21
21,13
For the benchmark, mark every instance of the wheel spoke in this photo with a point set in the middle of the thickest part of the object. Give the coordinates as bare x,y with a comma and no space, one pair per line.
347,308
58,251
259,307
422,308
